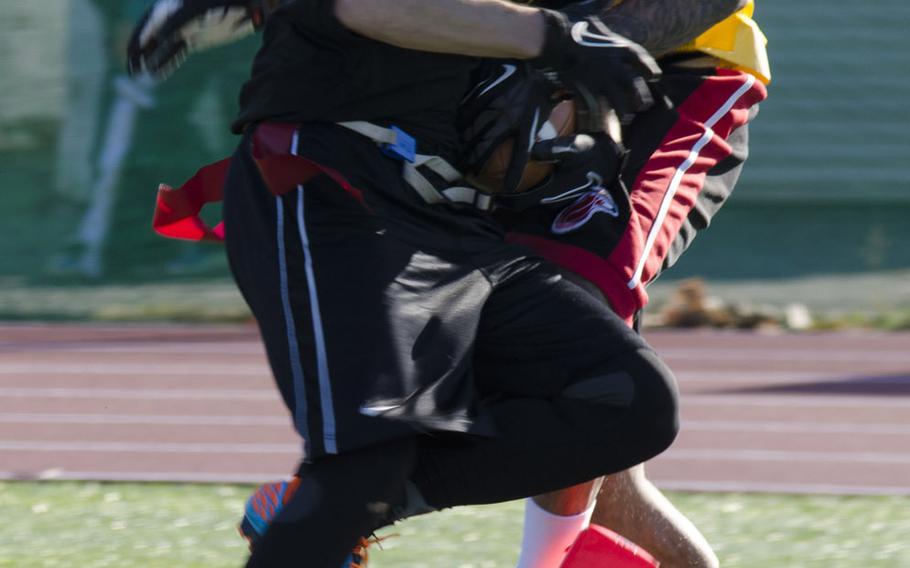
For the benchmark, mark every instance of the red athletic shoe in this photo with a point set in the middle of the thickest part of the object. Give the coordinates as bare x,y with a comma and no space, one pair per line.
597,547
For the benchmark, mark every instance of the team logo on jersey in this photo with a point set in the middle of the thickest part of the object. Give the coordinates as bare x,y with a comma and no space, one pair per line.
576,215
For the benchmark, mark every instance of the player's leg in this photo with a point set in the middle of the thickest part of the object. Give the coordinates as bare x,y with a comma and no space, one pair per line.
357,465
632,506
552,522
339,500
574,394
604,394
626,502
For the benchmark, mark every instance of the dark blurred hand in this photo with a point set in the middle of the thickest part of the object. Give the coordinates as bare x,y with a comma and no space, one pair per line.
582,164
172,29
511,101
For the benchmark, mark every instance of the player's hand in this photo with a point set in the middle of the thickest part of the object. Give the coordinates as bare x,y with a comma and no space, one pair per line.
510,101
604,69
584,163
172,29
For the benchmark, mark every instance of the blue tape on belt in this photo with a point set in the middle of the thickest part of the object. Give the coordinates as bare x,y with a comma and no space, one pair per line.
404,147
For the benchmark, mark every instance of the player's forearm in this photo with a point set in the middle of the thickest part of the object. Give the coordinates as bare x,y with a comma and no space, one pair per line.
663,25
487,28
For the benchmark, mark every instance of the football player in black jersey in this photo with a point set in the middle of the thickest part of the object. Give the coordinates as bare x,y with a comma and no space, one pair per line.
426,362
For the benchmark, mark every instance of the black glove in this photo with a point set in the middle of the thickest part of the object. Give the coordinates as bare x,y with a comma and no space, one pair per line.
583,163
172,29
511,101
604,69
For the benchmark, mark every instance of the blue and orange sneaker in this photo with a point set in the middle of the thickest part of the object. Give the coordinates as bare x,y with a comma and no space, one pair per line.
264,505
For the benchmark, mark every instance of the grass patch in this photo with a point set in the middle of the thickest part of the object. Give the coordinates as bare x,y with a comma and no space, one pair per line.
160,525
213,301
895,319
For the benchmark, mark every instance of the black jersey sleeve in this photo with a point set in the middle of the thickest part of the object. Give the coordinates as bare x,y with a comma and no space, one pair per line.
317,15
311,68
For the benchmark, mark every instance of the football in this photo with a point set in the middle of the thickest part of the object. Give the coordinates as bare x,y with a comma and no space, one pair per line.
561,122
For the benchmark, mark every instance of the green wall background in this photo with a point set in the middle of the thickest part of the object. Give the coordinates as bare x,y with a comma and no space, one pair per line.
826,191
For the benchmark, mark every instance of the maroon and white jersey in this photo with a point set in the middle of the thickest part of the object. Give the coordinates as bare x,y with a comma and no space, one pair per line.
683,163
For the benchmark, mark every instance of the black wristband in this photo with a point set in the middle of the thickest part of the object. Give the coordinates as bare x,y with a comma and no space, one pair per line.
558,27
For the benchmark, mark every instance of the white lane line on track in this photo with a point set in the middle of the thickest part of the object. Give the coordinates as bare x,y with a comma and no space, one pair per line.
149,447
285,422
207,371
808,354
727,455
794,427
88,327
768,377
196,371
135,476
735,455
772,487
143,419
162,348
142,394
166,369
200,372
732,400
737,399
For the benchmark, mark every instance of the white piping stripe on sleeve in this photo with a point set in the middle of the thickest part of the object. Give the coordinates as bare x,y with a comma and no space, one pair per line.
678,176
322,365
300,402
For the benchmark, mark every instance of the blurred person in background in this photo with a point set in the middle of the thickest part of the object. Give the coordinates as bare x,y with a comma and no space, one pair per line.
112,122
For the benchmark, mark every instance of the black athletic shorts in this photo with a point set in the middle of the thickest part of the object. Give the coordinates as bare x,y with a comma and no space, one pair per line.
383,316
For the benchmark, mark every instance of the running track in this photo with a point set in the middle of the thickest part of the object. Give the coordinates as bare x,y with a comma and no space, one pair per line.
822,413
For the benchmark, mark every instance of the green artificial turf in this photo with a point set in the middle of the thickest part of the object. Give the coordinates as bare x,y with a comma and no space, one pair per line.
159,525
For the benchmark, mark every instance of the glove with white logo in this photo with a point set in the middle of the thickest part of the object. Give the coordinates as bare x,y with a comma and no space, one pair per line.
172,29
583,163
604,69
512,101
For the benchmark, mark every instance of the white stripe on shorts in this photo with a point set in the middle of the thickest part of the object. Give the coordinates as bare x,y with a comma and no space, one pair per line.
322,365
300,404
